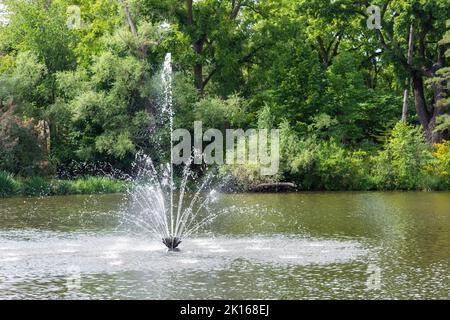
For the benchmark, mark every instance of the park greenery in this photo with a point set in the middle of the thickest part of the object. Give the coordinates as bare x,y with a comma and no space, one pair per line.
38,186
90,92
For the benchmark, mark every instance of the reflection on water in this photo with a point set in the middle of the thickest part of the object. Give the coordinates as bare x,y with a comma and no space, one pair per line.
280,246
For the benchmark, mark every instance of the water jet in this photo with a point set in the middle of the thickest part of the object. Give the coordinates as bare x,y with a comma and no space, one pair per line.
166,210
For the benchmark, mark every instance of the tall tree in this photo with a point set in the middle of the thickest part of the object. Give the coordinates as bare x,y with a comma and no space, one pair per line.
408,79
428,18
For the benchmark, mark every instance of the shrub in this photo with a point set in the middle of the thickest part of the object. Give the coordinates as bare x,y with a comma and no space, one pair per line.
36,186
62,187
92,185
402,164
245,177
8,186
315,164
20,150
216,112
440,167
339,169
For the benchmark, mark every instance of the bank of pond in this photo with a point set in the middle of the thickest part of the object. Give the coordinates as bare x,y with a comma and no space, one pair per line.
39,186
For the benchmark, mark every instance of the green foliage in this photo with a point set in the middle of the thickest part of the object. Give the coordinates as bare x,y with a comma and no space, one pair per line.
345,94
288,79
62,187
25,83
8,185
406,162
98,18
36,186
219,113
311,68
440,167
94,185
20,151
245,177
265,118
442,80
315,164
403,161
106,111
41,28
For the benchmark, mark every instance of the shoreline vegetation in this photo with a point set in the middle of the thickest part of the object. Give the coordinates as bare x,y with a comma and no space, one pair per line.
38,186
405,163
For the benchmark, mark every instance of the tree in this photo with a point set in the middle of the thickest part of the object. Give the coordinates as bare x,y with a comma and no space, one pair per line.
428,20
106,103
38,37
218,37
442,81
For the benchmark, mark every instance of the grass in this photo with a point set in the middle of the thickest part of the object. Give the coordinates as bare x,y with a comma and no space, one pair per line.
94,185
38,186
8,185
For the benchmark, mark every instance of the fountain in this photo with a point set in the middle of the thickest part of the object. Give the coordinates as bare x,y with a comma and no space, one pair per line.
154,208
172,243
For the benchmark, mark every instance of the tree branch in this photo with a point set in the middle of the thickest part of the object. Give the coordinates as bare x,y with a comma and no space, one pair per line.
131,23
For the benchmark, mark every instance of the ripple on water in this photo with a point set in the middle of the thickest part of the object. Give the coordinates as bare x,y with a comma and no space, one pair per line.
93,253
112,266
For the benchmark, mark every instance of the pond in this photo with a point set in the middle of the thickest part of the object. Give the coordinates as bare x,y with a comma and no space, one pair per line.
266,246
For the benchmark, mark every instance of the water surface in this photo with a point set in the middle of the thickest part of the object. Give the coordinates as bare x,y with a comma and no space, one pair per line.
265,246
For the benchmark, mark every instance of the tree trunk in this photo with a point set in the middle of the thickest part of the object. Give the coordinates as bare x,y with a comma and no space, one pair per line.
198,48
190,16
198,67
419,100
428,119
405,100
408,80
130,20
432,135
142,53
198,76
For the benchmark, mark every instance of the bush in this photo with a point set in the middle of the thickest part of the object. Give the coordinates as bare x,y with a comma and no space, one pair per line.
315,164
216,112
36,186
440,167
339,169
62,187
8,186
244,177
20,149
92,185
326,165
402,164
405,162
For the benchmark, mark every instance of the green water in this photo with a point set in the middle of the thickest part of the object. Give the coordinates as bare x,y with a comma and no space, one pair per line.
265,246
